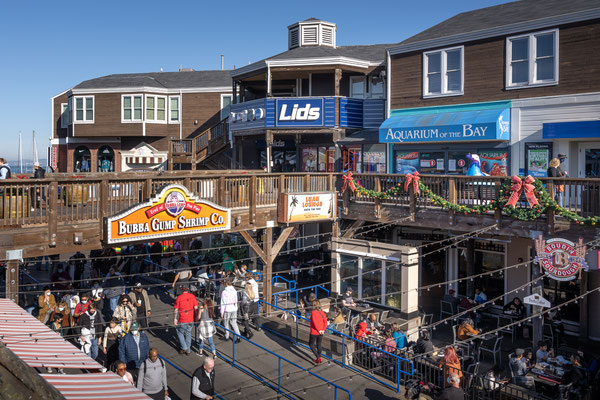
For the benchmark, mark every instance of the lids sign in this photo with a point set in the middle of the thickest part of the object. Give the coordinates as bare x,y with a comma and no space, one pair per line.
173,212
561,259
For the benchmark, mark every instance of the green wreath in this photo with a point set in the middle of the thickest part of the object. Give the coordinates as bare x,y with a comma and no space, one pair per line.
546,202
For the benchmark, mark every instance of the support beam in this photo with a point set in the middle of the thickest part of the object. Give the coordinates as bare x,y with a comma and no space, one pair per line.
255,246
12,280
353,228
268,272
338,78
285,234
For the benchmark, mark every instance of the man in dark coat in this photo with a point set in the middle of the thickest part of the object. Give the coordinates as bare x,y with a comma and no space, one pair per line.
203,381
92,320
134,348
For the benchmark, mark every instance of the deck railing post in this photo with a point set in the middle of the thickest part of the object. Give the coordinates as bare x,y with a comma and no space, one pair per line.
252,200
221,192
550,211
306,184
413,202
148,188
377,202
451,199
104,206
497,212
53,213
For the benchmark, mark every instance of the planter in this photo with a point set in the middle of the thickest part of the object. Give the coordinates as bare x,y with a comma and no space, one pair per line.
14,206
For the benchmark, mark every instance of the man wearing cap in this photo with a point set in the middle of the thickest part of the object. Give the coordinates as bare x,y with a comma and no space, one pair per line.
134,348
347,299
139,298
185,307
518,367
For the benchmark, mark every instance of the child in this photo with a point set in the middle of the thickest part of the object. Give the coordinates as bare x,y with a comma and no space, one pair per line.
85,340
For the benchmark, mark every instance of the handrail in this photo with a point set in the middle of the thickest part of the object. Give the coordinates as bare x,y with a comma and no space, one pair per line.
345,338
279,359
281,278
185,373
294,290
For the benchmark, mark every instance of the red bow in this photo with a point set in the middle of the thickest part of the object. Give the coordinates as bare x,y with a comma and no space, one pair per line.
414,179
518,187
348,181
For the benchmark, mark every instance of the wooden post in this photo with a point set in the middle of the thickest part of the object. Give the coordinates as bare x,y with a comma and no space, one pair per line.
282,183
12,280
498,212
187,182
451,199
413,202
536,288
345,201
221,191
306,183
377,201
331,183
148,188
104,206
470,256
550,211
252,200
233,92
193,154
52,213
337,79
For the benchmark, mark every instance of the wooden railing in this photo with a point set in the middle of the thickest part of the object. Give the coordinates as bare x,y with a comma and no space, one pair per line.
211,140
64,198
181,147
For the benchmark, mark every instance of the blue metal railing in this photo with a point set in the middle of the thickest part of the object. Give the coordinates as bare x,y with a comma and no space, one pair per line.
278,388
399,361
185,373
291,283
295,291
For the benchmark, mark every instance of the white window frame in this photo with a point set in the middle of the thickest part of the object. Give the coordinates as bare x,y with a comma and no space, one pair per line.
156,97
444,70
178,110
132,120
84,120
533,82
65,115
371,94
231,102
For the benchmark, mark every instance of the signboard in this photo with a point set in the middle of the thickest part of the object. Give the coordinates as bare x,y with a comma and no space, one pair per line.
299,112
301,207
173,212
537,157
536,300
561,259
494,162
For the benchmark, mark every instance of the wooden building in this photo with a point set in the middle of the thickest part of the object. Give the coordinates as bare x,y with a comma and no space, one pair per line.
297,108
124,122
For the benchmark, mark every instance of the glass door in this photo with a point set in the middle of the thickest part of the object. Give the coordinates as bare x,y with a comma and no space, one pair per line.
589,160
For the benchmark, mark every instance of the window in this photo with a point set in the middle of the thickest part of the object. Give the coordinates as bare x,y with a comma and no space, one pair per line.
532,60
65,115
357,86
174,108
82,159
225,105
376,87
131,108
156,109
443,72
106,159
84,109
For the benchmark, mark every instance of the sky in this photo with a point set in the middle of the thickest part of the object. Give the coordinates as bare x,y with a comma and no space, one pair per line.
49,47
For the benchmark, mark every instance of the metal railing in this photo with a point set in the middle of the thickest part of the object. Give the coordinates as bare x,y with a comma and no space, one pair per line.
395,370
296,292
185,373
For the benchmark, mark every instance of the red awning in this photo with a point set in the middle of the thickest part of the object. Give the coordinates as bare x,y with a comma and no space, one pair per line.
94,386
35,343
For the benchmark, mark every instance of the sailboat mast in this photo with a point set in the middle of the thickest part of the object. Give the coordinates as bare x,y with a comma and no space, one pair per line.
35,152
20,157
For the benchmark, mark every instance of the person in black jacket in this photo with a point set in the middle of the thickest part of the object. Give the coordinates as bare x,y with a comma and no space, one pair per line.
203,381
576,376
424,345
92,320
554,171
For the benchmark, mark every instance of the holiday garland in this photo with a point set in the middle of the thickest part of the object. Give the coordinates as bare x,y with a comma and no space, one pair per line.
538,198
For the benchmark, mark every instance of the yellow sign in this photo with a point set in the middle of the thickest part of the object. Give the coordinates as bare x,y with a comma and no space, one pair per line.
300,207
173,212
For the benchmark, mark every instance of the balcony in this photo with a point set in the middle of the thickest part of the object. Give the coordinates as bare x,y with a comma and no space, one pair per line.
307,112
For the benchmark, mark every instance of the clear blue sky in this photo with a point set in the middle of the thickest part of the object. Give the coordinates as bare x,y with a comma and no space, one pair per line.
48,47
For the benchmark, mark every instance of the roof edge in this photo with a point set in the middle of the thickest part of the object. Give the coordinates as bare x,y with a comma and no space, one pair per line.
524,26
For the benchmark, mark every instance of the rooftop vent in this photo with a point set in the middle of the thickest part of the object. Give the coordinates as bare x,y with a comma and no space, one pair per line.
311,32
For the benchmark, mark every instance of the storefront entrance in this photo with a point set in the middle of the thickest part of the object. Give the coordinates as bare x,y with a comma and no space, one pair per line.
589,160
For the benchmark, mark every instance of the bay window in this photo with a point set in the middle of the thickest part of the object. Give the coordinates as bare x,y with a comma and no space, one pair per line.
156,109
532,60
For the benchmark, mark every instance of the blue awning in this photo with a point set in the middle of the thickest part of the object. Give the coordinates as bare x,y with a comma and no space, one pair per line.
475,125
571,130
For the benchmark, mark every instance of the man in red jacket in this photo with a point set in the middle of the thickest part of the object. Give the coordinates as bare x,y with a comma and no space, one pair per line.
318,324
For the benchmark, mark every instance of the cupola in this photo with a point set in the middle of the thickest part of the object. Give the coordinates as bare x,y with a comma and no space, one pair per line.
311,32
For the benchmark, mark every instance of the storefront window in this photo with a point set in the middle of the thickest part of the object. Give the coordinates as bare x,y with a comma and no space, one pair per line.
82,159
393,280
351,159
484,261
349,273
326,159
371,280
494,162
374,158
309,159
592,163
458,162
106,159
406,162
432,163
557,292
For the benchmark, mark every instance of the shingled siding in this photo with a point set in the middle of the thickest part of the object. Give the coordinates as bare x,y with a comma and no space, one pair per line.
199,111
59,132
485,65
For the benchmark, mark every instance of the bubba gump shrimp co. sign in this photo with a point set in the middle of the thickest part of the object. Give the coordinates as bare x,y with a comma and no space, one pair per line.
173,212
560,258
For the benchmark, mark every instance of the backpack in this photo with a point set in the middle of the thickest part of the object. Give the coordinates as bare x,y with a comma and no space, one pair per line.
162,364
7,170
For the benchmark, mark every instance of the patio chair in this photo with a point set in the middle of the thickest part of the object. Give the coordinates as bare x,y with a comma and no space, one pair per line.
492,346
548,335
446,309
384,316
503,321
426,321
353,323
465,346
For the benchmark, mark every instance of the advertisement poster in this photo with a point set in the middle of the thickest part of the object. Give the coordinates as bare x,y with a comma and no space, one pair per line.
494,162
301,207
309,159
407,162
537,157
173,212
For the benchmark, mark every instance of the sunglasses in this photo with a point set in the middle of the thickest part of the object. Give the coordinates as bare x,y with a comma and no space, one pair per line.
121,369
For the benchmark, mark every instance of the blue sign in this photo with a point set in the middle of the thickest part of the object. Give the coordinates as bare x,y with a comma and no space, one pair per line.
447,127
570,130
299,112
